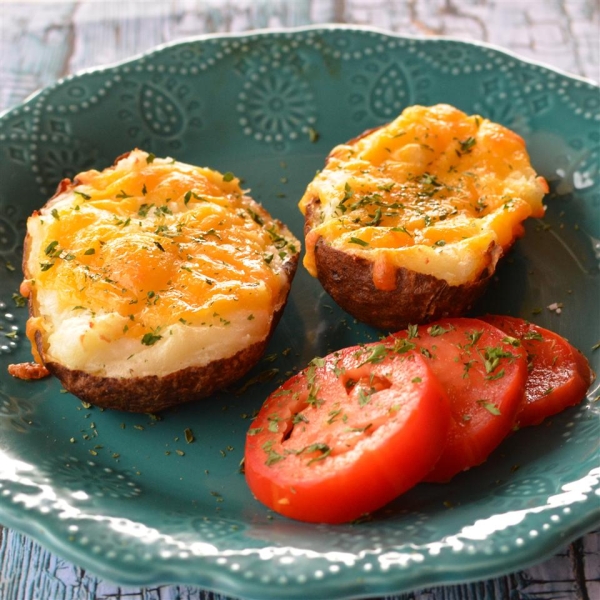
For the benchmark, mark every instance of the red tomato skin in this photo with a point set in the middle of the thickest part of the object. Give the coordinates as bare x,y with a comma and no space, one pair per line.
345,486
559,375
475,395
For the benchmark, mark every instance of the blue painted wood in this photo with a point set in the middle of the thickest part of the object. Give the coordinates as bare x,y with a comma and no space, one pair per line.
40,42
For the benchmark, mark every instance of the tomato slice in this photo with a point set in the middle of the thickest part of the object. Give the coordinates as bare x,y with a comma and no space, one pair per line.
347,435
484,377
559,375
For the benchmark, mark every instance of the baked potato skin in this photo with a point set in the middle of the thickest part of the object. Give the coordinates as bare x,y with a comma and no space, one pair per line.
153,394
375,282
146,393
417,297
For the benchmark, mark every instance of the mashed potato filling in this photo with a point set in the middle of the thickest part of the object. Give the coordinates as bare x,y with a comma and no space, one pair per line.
432,191
152,266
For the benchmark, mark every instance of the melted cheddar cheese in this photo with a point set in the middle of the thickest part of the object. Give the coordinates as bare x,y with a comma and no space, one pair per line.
432,191
128,261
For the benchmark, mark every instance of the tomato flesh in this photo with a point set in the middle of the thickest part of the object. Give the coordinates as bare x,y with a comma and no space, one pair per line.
347,435
484,377
559,375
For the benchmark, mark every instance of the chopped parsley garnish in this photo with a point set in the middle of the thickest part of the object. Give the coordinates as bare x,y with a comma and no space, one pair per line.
355,240
429,179
51,249
229,176
413,331
324,449
489,406
144,209
467,145
492,357
378,353
402,346
533,335
165,210
89,251
497,375
149,339
84,196
19,299
436,330
150,158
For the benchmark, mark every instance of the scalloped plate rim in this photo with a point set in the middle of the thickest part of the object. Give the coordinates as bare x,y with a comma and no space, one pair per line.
255,33
375,582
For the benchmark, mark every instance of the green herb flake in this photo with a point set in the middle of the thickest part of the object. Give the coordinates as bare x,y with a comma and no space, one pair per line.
89,252
19,300
492,357
273,457
402,345
413,331
489,406
149,339
512,341
144,209
378,353
495,376
150,158
51,249
436,330
84,196
313,135
533,335
467,145
229,176
355,240
55,214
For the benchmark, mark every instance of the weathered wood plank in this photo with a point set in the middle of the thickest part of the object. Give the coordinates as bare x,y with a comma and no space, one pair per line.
38,46
28,572
42,42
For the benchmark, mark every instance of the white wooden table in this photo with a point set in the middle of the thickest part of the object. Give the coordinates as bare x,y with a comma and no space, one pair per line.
43,41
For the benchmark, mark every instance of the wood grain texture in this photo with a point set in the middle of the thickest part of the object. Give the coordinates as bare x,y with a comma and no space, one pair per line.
29,572
57,38
41,42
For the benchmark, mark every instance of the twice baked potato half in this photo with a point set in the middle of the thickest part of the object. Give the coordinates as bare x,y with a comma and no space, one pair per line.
406,223
153,282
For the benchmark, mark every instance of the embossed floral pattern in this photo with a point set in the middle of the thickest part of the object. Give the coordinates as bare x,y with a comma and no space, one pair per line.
276,106
76,475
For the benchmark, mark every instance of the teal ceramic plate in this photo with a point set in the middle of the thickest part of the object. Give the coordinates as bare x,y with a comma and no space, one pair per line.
125,496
